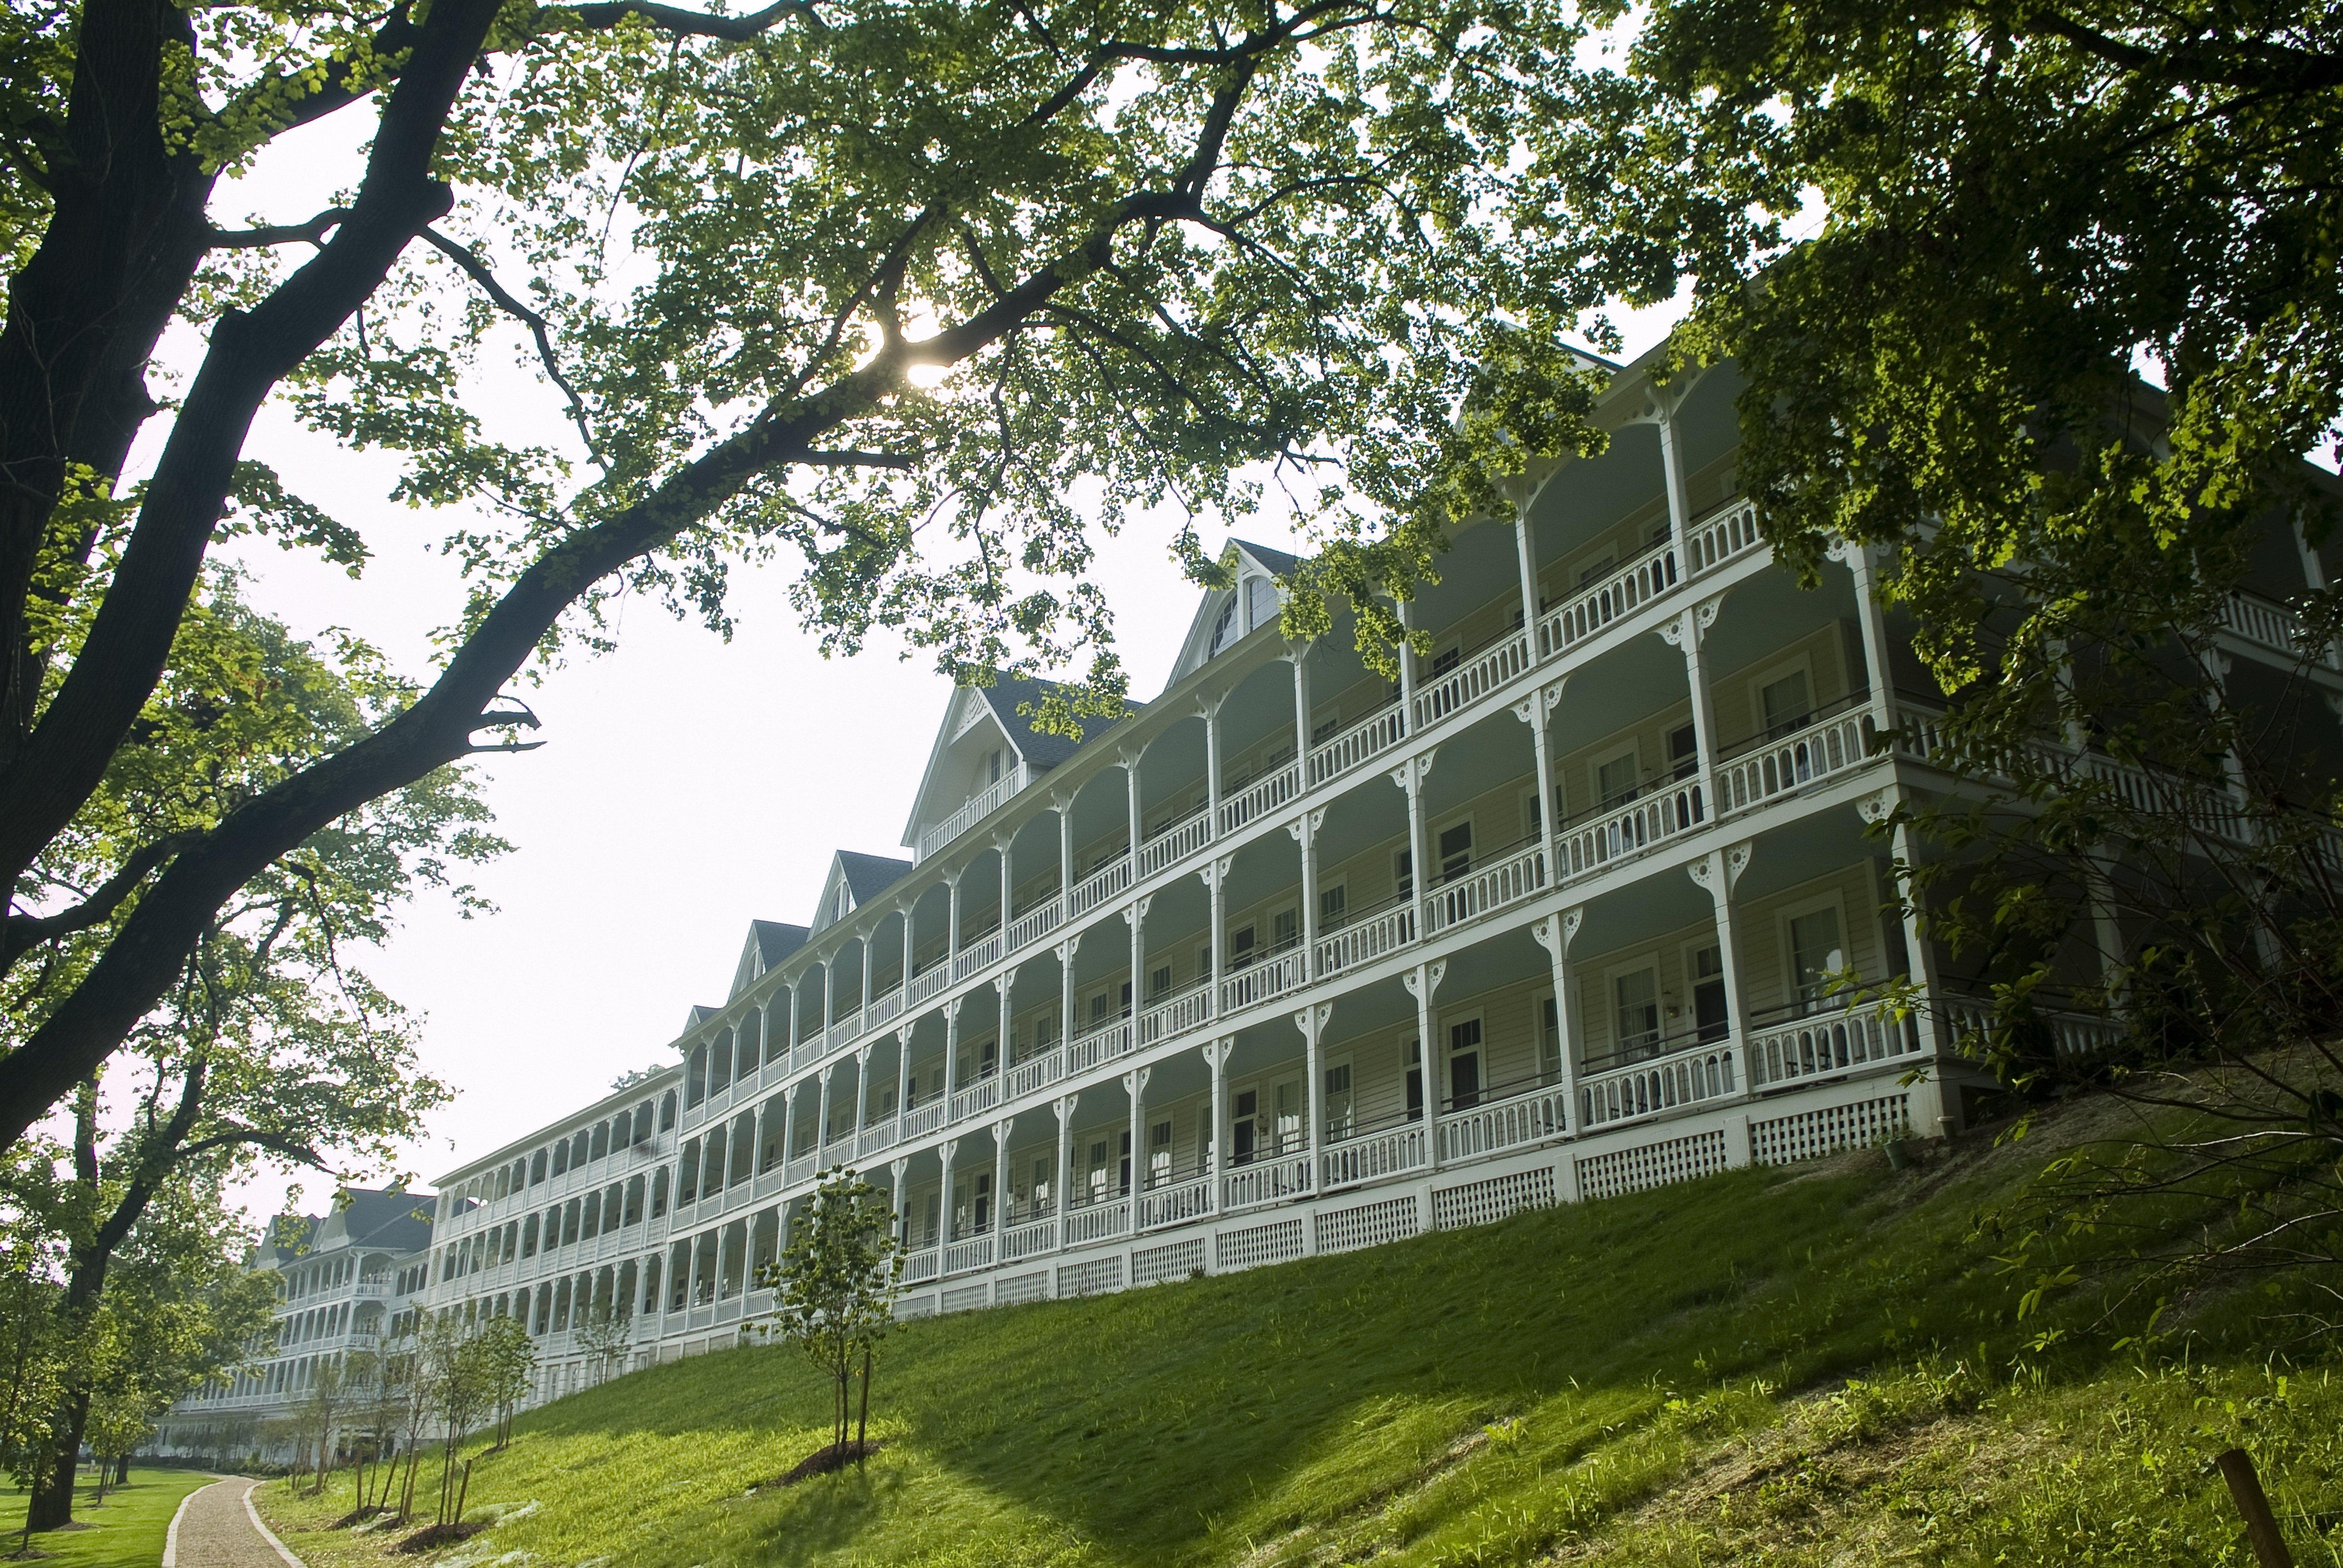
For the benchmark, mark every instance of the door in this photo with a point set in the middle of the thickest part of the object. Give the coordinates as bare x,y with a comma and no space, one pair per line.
1464,1064
1242,1127
1815,954
1636,997
1339,1114
1708,1008
1287,1095
1415,1081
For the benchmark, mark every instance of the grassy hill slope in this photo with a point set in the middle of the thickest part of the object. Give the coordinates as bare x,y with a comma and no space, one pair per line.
1817,1365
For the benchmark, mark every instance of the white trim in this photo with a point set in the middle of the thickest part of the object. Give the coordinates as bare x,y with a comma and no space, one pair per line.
1786,960
1800,663
266,1534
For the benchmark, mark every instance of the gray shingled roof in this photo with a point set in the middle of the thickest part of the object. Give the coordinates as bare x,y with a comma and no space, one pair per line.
1007,694
1277,561
776,939
868,876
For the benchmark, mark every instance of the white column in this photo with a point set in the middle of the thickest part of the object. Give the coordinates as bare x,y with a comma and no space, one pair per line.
1215,876
951,1050
1684,633
1064,807
903,913
1135,913
793,1021
1211,713
1002,982
1216,1058
952,928
1719,871
1408,776
1060,1193
1679,507
861,1093
1131,801
1536,710
950,1146
900,1168
1311,1021
999,1181
1871,622
1422,982
828,1007
865,1012
1526,558
1553,933
1001,847
1136,1082
1406,612
1298,655
1304,832
821,1116
1066,951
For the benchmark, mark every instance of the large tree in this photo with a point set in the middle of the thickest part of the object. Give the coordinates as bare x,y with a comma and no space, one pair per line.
915,293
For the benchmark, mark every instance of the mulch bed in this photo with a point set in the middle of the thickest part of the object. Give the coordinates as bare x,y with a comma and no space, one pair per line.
432,1535
824,1461
356,1516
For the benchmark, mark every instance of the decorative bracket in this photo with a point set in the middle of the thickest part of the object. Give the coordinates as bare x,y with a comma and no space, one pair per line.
1311,1021
1134,912
1216,1053
1411,774
1064,1106
1878,806
1135,1081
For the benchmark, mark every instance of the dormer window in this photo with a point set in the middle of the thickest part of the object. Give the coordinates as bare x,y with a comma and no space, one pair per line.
1225,631
992,766
839,905
1260,603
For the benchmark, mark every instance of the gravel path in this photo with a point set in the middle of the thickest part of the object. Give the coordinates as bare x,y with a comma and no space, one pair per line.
217,1527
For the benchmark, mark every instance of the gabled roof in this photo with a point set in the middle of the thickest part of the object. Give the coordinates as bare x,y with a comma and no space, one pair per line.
767,943
700,1013
1000,701
868,876
1277,563
1253,561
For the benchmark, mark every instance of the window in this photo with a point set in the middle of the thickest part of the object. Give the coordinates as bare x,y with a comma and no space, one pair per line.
1340,1111
1456,850
601,1143
1260,602
1403,874
1225,631
1443,663
1684,751
1635,995
1708,1008
1786,704
1288,1125
1415,1081
1242,1127
1550,1042
1615,781
992,765
1240,946
1332,904
560,1158
1595,569
1816,953
1464,1064
659,1193
1159,1154
1284,929
1158,981
537,1168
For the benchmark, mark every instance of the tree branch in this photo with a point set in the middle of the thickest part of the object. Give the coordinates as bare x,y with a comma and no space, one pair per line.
20,933
313,231
478,272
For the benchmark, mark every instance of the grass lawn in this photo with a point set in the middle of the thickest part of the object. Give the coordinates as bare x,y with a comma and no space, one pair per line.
125,1530
1801,1367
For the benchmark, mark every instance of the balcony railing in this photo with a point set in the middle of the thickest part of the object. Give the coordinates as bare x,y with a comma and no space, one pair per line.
977,1098
1176,1015
920,1267
1500,882
1097,1220
981,953
1103,1043
1822,750
1036,923
2273,625
1703,1073
1489,1128
1369,937
1036,1072
1629,587
1100,885
1373,1156
1370,737
975,810
974,1252
1264,980
1259,797
1029,1241
1271,1178
1473,679
1176,1205
1829,1041
924,1118
928,981
1175,843
878,1136
1623,831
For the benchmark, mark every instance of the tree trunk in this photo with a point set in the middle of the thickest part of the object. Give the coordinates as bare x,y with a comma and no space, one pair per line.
122,1471
862,1418
51,1504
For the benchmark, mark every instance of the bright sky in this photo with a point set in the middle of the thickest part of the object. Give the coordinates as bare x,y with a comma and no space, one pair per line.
687,785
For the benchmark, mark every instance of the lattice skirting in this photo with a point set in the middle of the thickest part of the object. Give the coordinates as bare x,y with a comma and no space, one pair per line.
1090,1278
1651,1165
1032,1287
1486,1202
915,1307
1259,1245
968,1296
1811,1134
1368,1225
1154,1265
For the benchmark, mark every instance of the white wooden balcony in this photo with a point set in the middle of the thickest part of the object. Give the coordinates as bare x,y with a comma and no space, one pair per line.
1829,1041
1260,798
1174,844
1684,1075
969,1252
1268,1179
983,952
1623,831
1485,888
1036,1072
2269,625
976,1098
1473,678
1372,935
1371,1156
1036,923
1101,1044
1531,1116
1370,737
926,982
1100,885
1264,980
1176,1015
1029,1241
1096,1221
923,1118
1822,750
877,1137
974,810
1175,1204
922,1266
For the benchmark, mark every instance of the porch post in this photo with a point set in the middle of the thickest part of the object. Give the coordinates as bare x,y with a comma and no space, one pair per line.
866,972
828,1007
898,1167
1210,711
952,1051
1525,557
1679,507
1298,655
1719,871
1553,933
952,928
1534,710
1215,877
1304,831
1422,982
999,1181
1406,609
821,1120
788,1133
1408,776
1869,619
1684,633
903,985
1135,914
1216,1058
1002,983
1066,990
1312,1022
793,1022
1064,806
861,1093
944,1236
1135,1081
1130,801
1935,1037
1061,1195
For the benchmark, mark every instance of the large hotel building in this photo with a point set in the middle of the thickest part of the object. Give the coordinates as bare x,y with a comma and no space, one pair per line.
1293,958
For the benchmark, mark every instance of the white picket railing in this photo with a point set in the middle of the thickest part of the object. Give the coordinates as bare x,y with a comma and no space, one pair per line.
1095,1220
1630,586
1686,1078
1176,1205
1029,1241
983,952
1472,679
1035,1072
973,1252
1531,1118
1103,1043
919,1268
1370,737
928,982
1175,843
1176,1015
976,1098
1373,1156
1261,796
1367,938
1490,887
1829,1042
879,1135
923,1118
1626,831
1821,750
2071,1034
1269,977
1100,885
975,810
885,1008
1036,923
1721,536
844,1031
1269,1179
2273,625
802,1169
